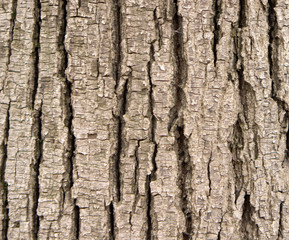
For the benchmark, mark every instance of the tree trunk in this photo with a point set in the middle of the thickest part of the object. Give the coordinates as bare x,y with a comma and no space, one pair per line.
144,119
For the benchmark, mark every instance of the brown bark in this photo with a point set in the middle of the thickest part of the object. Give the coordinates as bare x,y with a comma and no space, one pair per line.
144,119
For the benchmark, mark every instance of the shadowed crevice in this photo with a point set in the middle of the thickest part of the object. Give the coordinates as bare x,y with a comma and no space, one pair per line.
236,146
180,66
248,227
76,212
149,234
36,171
280,228
36,49
117,39
4,187
111,221
184,179
217,8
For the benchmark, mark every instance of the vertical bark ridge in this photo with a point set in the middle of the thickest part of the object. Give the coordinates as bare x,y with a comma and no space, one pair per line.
217,8
36,48
36,172
71,141
5,208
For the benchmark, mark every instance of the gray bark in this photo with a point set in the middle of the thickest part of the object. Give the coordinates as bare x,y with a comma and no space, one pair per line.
144,119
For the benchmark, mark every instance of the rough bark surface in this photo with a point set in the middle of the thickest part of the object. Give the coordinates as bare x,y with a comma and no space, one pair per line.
144,119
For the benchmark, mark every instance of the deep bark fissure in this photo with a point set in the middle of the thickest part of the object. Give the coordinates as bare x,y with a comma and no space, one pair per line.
280,228
117,39
217,8
219,232
209,174
236,147
180,66
153,119
67,92
76,212
248,227
149,234
184,179
36,173
4,146
242,22
36,48
111,221
158,28
120,141
11,31
136,172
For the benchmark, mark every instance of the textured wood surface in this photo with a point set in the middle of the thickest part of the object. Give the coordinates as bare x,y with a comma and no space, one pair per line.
144,119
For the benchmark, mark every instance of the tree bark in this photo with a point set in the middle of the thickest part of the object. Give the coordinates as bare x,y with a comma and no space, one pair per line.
144,119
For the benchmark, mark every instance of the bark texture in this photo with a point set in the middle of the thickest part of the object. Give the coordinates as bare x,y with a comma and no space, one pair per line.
144,119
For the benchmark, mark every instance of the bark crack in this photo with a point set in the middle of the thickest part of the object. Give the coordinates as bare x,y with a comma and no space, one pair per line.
158,28
217,8
111,221
149,208
280,228
76,212
248,227
209,174
236,146
69,116
36,171
153,119
36,48
4,146
117,39
184,179
180,66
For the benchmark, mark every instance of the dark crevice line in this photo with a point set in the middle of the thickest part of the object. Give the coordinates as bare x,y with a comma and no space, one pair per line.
153,119
209,173
273,48
36,48
176,119
36,172
68,92
217,8
69,112
122,101
136,174
4,150
248,227
236,146
184,179
242,22
158,28
111,221
76,212
219,233
180,66
280,228
11,31
117,39
121,97
149,234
